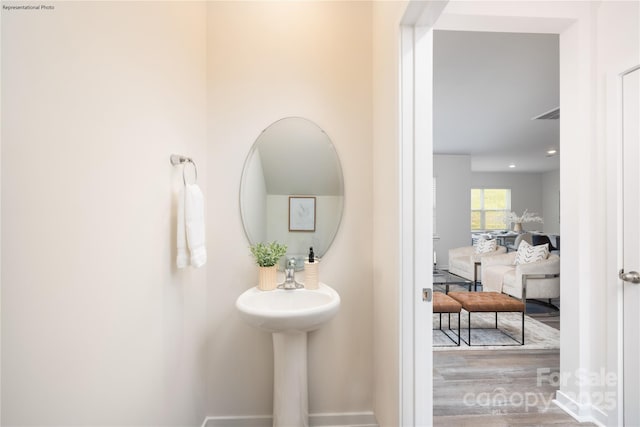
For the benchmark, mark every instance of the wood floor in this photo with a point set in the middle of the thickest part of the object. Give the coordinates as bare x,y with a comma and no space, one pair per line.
498,388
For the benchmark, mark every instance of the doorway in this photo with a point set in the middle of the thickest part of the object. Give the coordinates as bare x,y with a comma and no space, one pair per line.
572,21
489,88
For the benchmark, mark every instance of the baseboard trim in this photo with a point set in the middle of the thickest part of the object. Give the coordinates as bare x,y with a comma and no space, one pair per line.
356,419
599,417
238,421
581,413
350,419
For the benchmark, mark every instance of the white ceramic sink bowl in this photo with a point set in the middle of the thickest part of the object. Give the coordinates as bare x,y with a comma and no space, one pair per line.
289,315
282,310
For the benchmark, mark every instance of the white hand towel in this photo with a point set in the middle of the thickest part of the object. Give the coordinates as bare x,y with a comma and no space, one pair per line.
194,223
182,258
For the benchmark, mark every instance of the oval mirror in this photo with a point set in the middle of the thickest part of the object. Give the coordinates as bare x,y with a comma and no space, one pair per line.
292,188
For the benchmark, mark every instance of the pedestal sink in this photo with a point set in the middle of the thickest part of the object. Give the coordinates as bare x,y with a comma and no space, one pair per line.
289,315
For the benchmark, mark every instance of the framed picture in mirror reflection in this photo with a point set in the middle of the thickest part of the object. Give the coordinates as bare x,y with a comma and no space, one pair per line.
302,213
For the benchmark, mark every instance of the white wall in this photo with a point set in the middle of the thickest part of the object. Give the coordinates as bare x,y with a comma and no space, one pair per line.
266,61
328,210
618,47
453,204
98,327
551,201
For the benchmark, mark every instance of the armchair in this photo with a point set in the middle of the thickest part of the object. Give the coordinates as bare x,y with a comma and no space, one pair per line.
464,261
524,236
537,239
535,280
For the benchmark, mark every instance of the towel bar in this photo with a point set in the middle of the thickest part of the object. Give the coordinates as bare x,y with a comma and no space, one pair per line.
177,159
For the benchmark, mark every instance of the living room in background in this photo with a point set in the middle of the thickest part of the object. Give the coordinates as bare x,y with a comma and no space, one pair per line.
488,121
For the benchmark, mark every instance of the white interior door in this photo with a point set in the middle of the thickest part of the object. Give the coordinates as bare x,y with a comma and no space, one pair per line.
631,245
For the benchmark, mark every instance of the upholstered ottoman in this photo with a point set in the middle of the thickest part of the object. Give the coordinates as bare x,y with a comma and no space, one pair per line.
445,304
489,302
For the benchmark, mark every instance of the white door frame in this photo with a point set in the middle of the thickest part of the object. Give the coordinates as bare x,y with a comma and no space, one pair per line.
614,233
416,172
577,100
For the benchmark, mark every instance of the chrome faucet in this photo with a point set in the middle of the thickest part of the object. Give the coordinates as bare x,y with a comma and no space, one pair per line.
289,276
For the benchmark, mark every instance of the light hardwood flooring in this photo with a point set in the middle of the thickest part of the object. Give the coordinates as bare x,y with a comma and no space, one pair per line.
550,319
497,388
553,321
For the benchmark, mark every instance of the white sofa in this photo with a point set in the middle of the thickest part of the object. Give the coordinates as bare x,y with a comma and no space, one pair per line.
462,261
535,280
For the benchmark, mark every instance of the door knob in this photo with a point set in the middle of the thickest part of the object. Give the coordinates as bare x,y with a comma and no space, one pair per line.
632,276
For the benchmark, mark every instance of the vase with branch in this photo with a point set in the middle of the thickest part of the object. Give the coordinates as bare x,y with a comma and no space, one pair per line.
518,220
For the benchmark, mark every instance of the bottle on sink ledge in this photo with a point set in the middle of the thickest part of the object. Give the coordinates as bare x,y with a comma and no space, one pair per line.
311,271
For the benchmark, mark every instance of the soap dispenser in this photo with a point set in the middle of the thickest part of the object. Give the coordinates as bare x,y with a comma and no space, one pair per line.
311,271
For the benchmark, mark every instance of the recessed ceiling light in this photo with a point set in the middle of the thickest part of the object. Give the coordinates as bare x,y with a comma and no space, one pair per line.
512,166
551,152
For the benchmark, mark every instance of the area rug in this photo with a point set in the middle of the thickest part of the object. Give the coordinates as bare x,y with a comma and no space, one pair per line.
537,335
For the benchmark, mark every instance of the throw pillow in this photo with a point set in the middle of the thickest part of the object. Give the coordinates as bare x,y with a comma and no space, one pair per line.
485,246
528,253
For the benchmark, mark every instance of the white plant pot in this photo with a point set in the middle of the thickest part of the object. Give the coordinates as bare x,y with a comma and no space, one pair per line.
267,278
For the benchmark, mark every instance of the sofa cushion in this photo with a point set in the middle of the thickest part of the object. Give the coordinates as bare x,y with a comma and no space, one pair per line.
528,253
461,264
485,246
494,276
509,283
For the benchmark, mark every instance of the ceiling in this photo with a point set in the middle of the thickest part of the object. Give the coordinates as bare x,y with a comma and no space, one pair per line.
487,88
298,157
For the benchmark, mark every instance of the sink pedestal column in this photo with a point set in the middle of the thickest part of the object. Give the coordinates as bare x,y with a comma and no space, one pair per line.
290,394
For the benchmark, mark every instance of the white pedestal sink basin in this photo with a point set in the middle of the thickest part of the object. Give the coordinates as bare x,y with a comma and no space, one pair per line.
289,315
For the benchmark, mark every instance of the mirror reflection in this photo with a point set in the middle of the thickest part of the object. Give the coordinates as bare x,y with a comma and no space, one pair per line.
292,188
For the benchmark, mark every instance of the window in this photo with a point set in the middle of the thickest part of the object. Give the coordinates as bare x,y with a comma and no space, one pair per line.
488,208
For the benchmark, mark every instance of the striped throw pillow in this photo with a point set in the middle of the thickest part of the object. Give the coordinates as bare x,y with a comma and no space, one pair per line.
485,246
528,253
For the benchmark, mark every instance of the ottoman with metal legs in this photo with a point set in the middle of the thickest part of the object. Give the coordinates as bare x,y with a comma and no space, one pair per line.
445,304
489,302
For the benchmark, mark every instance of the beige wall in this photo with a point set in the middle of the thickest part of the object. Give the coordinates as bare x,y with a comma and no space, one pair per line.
386,225
98,328
266,61
97,325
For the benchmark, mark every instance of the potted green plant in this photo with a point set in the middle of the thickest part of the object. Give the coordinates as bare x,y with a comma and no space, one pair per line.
267,256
